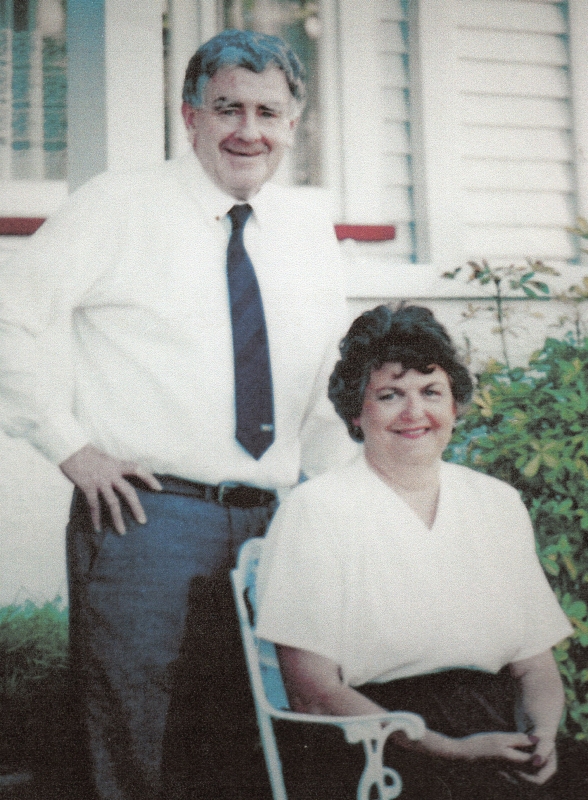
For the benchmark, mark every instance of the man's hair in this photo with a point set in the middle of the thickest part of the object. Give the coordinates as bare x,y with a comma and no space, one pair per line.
410,336
248,49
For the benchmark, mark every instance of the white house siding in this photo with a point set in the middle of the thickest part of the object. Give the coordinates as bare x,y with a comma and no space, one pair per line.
396,175
376,165
514,101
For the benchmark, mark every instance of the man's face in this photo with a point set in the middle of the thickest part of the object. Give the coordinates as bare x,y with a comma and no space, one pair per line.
243,129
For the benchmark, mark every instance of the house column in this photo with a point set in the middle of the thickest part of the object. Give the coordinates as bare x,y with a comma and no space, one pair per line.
436,130
115,86
578,36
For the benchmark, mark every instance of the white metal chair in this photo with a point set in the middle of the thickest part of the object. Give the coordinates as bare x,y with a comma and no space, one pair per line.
271,702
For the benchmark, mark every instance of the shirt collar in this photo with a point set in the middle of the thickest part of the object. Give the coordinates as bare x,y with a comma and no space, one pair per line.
215,203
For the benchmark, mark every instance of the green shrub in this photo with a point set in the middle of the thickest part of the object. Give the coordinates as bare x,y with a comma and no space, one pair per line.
41,730
34,683
529,427
33,645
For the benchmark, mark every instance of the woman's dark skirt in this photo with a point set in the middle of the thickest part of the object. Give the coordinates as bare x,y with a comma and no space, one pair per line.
318,763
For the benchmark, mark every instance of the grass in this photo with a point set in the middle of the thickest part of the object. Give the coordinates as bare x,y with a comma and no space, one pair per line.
39,727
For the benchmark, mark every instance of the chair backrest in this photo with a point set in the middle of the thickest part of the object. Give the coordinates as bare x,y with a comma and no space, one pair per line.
271,702
261,655
267,686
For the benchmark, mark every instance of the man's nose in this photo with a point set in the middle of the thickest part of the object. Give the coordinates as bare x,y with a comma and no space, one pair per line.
249,128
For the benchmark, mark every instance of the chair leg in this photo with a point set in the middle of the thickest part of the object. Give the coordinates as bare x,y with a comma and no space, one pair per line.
272,758
386,781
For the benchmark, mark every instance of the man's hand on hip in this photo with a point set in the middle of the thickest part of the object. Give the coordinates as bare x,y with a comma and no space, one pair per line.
100,475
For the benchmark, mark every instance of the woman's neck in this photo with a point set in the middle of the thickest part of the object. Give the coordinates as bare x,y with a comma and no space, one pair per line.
417,485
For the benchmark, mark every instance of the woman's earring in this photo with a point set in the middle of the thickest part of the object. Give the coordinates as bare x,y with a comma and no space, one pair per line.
357,431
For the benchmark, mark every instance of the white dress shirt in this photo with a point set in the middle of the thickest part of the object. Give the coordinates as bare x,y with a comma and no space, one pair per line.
350,572
115,327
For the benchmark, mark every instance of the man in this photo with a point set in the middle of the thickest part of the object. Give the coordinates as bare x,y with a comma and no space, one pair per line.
177,428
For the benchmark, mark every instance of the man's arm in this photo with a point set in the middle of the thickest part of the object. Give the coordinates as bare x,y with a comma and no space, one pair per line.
39,289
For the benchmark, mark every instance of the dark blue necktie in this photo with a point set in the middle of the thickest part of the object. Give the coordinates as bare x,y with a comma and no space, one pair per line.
253,378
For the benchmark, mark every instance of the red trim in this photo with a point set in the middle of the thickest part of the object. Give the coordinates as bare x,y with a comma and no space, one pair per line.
366,233
25,226
20,226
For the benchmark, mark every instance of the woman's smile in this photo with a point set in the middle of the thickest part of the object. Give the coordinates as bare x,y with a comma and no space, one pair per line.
406,414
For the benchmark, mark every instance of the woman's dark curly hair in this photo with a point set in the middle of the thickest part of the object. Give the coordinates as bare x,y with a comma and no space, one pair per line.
410,336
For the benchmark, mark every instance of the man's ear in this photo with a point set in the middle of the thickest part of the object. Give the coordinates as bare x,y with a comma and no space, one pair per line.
292,125
188,113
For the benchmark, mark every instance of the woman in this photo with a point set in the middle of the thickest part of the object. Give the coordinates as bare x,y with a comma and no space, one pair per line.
404,582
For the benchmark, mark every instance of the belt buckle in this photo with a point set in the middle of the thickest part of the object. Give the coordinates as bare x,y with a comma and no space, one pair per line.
222,490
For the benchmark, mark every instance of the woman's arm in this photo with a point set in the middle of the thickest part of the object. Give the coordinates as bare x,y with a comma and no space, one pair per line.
542,702
314,686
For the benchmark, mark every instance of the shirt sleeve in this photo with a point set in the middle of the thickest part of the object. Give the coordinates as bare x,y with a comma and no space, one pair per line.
39,289
325,442
300,584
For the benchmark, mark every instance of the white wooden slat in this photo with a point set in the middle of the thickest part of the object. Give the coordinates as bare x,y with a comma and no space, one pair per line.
390,38
484,173
578,15
403,243
391,10
377,179
395,139
513,79
530,48
392,69
31,198
524,112
517,143
435,129
394,103
331,106
512,16
367,257
518,208
396,171
185,38
361,118
397,205
134,99
9,245
548,244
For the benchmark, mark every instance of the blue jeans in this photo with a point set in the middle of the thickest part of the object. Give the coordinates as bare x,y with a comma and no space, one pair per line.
155,645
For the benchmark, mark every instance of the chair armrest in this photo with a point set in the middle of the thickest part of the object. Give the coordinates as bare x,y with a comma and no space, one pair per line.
358,728
371,730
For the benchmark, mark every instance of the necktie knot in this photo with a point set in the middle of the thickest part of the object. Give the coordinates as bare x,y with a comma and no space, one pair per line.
239,215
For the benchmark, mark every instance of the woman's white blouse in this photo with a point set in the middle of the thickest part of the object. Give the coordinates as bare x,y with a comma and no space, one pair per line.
351,573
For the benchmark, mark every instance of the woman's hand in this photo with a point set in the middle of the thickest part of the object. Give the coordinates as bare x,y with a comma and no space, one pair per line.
541,704
543,763
529,757
514,748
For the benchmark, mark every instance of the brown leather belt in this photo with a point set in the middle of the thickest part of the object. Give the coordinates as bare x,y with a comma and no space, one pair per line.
227,494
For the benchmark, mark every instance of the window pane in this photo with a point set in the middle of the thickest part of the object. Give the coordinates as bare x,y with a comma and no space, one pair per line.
33,126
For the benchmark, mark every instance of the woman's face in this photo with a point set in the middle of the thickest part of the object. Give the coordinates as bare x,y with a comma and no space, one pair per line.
407,417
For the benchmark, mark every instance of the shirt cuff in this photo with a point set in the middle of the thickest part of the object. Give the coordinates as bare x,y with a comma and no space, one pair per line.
59,439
